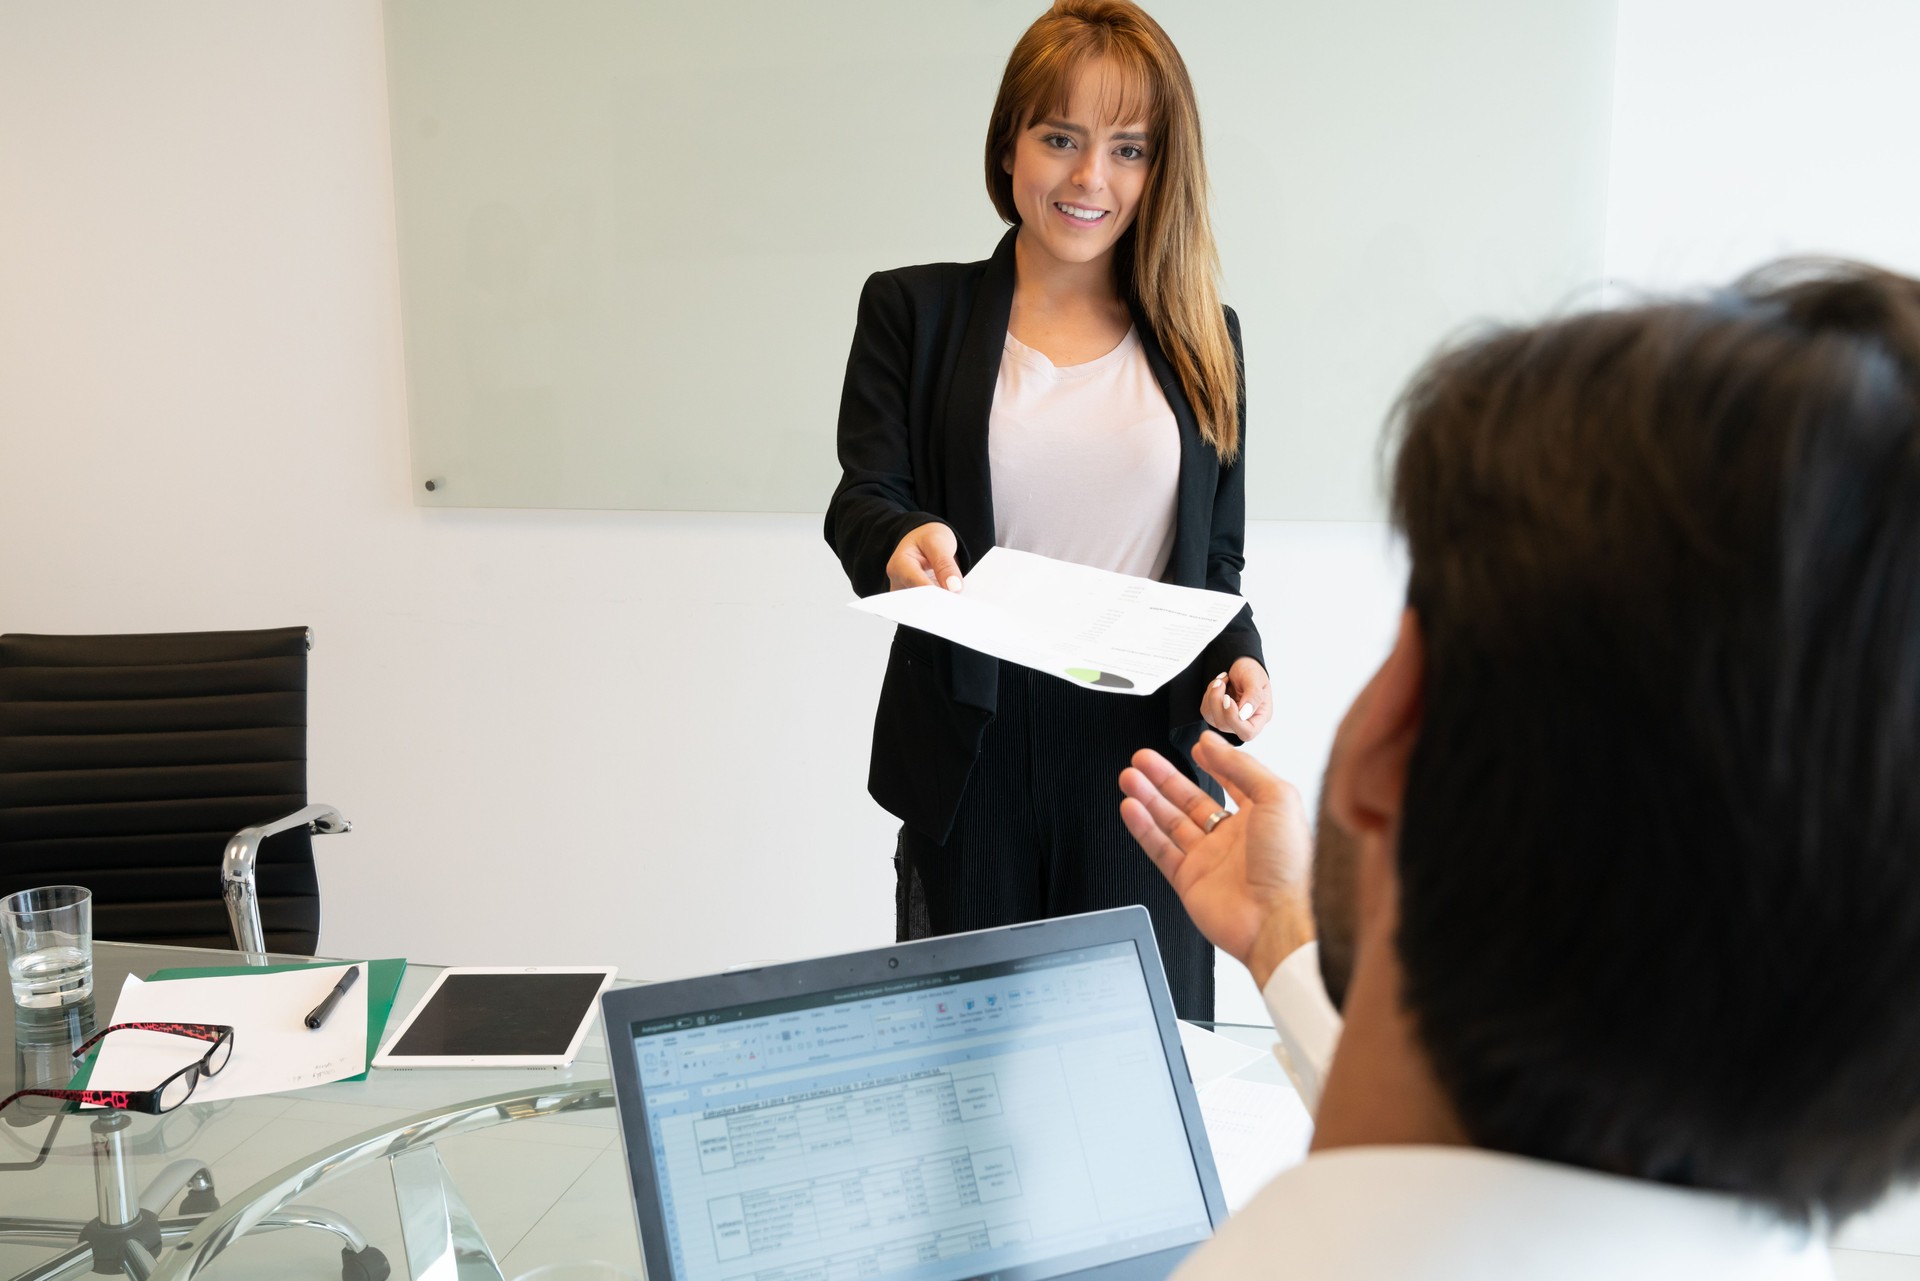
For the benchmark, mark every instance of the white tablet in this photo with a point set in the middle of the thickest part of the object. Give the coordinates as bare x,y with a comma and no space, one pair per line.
499,1016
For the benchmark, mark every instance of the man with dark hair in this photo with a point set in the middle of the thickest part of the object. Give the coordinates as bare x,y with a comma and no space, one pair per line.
1633,810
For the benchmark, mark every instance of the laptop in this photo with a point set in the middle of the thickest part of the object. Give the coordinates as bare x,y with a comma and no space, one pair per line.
1009,1104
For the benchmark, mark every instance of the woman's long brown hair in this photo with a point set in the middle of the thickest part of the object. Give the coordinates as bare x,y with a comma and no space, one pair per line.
1166,262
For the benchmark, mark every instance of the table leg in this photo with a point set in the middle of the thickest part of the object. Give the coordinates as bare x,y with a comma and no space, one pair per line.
443,1242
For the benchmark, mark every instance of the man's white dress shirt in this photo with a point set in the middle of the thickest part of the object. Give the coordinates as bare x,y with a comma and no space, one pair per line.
1308,1024
1466,1214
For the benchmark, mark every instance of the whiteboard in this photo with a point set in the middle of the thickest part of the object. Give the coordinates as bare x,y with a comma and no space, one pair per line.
632,235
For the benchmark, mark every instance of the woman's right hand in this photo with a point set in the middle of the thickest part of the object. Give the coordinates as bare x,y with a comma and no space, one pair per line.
924,558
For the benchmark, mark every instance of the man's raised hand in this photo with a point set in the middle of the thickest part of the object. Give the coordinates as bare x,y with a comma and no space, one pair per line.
1245,883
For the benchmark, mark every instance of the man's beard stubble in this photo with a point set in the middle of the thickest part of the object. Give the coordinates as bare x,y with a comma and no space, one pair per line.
1334,855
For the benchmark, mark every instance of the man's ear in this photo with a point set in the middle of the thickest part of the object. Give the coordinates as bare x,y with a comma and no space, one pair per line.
1368,786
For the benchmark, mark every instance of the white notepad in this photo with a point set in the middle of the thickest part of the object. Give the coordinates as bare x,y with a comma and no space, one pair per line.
273,1049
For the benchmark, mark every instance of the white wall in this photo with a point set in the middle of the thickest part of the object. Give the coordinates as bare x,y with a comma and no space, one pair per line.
628,737
1748,129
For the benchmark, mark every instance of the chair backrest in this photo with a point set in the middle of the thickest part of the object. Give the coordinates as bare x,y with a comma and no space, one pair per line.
126,763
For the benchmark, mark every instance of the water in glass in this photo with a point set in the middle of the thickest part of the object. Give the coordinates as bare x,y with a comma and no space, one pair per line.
47,976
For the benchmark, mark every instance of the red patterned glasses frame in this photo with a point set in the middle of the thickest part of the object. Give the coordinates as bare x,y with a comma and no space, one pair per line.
166,1096
215,1032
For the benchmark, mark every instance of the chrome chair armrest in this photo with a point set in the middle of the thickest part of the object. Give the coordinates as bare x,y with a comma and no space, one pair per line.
238,885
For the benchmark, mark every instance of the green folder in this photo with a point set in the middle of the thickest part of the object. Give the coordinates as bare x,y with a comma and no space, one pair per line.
383,984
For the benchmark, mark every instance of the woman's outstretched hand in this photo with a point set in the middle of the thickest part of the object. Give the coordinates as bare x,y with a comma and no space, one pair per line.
925,558
1239,700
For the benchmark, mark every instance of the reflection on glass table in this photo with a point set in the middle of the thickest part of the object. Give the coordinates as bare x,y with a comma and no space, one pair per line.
413,1171
220,1188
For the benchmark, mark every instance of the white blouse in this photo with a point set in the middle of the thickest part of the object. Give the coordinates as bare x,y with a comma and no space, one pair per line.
1085,459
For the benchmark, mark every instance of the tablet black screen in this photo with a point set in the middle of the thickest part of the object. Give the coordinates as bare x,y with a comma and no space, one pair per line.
475,1014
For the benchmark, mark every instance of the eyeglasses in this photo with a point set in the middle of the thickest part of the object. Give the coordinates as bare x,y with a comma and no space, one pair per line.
167,1095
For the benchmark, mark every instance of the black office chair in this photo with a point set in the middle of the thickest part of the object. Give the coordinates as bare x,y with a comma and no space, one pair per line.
155,770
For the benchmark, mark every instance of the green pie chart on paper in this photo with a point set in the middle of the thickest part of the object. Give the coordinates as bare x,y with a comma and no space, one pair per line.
1094,676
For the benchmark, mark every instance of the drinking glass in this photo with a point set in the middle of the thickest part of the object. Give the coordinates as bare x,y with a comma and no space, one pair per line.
49,945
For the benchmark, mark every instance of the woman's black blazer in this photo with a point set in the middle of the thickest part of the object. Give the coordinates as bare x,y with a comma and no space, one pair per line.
913,449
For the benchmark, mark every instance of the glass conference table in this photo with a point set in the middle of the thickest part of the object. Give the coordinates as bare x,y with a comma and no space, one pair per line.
450,1174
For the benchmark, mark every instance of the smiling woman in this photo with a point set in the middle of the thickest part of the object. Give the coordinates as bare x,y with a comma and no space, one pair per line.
1077,395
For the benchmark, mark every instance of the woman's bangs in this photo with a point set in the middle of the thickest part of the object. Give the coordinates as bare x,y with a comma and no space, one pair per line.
1126,90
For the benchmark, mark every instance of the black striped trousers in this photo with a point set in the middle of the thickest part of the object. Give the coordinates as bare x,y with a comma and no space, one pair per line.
1039,832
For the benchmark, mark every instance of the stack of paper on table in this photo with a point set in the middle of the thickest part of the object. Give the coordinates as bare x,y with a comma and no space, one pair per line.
273,1049
1107,631
382,978
1255,1128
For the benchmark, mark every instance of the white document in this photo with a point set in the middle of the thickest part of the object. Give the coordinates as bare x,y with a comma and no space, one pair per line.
1108,631
273,1049
1256,1130
1211,1056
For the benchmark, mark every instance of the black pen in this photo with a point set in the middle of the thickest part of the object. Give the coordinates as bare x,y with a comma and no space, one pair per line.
325,1007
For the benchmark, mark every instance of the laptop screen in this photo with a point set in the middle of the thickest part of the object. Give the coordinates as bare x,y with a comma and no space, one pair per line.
1016,1118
